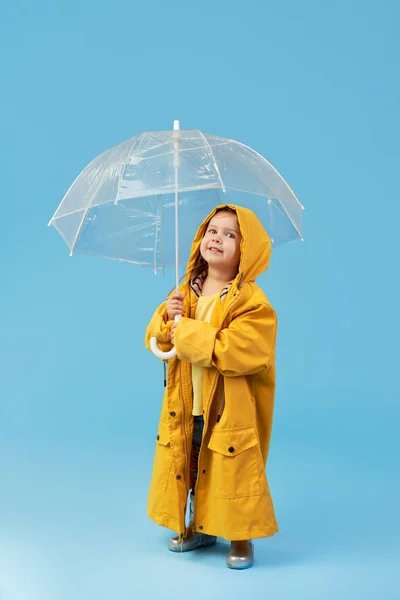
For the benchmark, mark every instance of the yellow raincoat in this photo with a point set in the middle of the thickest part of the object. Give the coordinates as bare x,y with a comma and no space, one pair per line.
237,350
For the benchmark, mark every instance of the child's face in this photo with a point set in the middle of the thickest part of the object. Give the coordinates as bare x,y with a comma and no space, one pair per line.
223,235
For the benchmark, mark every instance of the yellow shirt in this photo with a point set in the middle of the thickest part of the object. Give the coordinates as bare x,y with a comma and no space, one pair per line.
204,310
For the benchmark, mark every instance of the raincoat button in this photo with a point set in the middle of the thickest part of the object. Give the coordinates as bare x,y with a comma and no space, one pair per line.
158,437
200,526
172,413
231,449
179,476
204,471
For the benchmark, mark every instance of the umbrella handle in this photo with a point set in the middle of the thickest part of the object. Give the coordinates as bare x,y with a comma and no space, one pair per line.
156,350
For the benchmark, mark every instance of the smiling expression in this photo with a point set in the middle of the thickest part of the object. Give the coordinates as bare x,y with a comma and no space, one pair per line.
220,246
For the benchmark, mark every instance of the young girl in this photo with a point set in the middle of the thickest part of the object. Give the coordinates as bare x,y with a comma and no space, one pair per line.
216,418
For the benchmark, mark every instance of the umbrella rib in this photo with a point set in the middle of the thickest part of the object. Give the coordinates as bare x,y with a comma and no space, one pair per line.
157,239
133,145
283,180
146,194
78,233
213,157
126,260
219,195
162,143
68,191
266,197
273,168
194,149
162,238
291,220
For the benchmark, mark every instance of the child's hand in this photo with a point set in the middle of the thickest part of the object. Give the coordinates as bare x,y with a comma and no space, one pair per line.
174,326
175,306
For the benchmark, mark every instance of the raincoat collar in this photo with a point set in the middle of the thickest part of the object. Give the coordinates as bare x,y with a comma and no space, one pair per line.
196,285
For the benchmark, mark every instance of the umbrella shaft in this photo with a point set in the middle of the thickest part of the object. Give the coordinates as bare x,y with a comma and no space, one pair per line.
176,231
176,144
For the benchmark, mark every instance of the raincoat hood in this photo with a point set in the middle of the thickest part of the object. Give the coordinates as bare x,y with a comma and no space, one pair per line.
255,246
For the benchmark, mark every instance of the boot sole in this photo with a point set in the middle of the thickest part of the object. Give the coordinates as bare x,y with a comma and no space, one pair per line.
239,567
181,547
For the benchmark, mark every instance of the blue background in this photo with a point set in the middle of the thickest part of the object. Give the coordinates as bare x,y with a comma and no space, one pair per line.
314,87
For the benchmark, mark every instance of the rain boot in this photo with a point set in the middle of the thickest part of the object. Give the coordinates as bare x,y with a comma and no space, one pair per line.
193,539
241,555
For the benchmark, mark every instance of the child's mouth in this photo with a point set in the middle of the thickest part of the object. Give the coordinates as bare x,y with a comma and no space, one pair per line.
215,250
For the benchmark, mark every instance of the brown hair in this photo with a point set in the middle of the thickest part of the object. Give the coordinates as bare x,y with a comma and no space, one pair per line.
201,265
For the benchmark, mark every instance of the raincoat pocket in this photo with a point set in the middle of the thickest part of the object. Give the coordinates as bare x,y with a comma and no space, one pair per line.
235,462
163,456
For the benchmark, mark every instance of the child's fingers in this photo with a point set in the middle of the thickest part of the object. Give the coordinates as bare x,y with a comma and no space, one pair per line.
175,307
175,301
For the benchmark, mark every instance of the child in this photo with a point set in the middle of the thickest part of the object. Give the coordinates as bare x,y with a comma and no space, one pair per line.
216,418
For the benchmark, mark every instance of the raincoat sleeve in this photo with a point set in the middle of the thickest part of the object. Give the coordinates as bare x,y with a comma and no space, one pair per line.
245,347
160,328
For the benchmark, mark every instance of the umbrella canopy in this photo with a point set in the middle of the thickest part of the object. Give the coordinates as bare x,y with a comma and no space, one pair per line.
125,204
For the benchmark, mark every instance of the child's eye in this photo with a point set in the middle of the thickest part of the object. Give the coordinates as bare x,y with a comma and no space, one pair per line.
212,230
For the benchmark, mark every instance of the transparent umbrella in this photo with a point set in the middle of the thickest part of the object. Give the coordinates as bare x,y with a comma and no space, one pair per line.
130,202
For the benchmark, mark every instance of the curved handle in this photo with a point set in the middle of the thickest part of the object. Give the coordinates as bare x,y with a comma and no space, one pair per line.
156,350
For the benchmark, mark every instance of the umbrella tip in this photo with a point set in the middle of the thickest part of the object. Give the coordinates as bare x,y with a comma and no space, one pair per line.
176,126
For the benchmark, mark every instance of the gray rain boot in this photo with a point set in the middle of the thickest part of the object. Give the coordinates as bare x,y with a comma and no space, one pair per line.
193,539
241,555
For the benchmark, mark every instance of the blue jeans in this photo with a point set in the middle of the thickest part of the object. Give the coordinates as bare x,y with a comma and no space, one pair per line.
198,426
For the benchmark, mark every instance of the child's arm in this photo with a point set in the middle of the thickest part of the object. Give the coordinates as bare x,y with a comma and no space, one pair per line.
160,327
245,347
163,319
